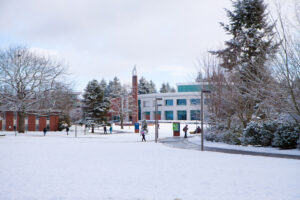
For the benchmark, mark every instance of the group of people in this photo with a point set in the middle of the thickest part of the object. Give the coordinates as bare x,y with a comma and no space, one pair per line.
185,129
105,129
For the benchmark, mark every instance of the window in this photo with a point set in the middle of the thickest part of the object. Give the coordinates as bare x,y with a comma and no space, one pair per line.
195,101
158,115
181,102
169,102
147,115
169,115
195,114
181,115
145,104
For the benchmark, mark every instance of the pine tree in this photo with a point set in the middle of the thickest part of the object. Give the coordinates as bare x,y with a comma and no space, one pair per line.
145,87
114,88
104,86
166,88
95,105
152,87
247,53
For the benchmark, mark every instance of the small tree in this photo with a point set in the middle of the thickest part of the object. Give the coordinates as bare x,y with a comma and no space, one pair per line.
95,104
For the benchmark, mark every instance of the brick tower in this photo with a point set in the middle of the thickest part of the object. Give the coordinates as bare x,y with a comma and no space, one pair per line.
135,112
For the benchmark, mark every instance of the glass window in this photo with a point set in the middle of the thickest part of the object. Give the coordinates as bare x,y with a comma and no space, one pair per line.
169,115
195,101
181,115
181,102
195,115
169,102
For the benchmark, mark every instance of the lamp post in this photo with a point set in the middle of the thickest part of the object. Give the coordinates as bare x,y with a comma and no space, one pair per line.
202,118
155,117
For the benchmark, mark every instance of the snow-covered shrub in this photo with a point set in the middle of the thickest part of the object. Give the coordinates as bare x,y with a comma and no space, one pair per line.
286,136
220,134
259,133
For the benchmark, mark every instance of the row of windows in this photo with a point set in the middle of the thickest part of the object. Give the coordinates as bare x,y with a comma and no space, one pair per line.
181,115
179,102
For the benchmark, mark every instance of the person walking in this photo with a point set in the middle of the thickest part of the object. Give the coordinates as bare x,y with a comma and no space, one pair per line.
110,129
185,129
143,135
45,131
105,131
67,129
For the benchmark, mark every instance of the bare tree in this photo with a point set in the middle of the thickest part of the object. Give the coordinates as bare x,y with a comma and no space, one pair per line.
26,77
122,104
287,67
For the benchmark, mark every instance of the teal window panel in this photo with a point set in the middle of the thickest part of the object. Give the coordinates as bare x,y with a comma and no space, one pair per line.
195,114
195,101
169,115
181,115
181,102
169,102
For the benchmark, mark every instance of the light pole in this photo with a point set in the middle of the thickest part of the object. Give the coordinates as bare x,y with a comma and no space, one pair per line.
155,117
202,118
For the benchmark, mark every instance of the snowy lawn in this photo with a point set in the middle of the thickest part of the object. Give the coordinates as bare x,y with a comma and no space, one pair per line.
119,166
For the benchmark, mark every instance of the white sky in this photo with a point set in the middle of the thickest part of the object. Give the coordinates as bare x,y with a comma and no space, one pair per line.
106,38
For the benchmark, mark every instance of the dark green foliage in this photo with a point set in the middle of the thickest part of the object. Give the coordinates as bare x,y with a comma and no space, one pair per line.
63,122
259,133
286,136
95,104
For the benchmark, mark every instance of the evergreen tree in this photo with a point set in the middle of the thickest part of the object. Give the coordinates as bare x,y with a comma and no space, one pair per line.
252,39
247,53
95,105
114,88
199,77
145,87
166,88
152,87
104,86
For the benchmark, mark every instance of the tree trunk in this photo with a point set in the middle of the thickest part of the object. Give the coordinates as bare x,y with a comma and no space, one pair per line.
122,120
92,128
21,122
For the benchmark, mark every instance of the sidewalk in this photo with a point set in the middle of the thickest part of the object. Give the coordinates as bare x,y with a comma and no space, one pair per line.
180,142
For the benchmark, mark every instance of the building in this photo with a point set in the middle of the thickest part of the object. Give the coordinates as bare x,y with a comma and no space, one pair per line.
185,104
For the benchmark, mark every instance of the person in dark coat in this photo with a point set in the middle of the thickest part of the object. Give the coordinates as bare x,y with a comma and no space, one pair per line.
185,129
105,131
198,130
143,135
67,129
45,131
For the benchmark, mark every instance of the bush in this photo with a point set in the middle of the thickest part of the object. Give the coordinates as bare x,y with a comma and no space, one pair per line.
63,122
286,136
298,143
259,133
220,134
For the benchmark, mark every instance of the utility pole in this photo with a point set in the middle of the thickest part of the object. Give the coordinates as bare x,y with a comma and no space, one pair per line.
155,117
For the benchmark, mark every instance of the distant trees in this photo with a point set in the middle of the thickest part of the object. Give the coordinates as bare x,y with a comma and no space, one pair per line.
29,81
146,87
166,88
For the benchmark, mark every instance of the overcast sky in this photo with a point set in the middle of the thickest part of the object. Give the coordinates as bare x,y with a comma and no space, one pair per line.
106,38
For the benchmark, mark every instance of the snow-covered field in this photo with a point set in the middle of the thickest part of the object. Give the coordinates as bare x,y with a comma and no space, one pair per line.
119,166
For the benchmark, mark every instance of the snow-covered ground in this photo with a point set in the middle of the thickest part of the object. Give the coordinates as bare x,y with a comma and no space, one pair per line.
197,140
120,166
